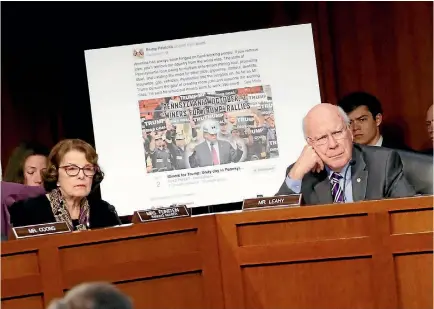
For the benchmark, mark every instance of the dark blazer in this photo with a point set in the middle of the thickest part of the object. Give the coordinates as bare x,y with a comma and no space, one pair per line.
37,210
428,151
11,193
392,143
379,169
202,154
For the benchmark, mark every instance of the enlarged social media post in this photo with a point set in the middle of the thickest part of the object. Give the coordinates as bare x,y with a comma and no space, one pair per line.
197,72
201,121
208,129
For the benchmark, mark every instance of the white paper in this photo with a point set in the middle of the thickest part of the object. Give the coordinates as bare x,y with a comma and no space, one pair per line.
281,61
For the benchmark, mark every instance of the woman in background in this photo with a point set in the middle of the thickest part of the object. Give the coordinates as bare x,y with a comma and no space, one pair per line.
26,164
72,174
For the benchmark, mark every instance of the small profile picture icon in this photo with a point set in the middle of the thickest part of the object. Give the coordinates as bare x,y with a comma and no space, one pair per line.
138,53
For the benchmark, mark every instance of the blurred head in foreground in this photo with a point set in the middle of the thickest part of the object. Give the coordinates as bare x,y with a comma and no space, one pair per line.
96,295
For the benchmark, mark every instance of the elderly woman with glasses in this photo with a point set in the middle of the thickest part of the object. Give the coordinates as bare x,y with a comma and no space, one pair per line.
72,174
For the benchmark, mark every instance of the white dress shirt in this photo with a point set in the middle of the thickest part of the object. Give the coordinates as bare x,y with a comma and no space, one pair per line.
379,143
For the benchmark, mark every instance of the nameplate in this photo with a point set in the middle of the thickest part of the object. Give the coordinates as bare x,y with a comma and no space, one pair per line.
39,230
163,213
274,201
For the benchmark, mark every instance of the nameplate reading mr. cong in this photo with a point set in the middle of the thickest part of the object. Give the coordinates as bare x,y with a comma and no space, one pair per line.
40,229
163,213
274,201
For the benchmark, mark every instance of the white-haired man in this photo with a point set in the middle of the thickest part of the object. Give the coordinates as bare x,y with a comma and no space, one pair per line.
331,169
213,151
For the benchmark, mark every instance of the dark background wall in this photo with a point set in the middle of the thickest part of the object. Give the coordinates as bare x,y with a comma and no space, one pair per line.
381,47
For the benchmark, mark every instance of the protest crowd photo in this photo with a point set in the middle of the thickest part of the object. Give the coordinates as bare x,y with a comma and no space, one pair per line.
206,129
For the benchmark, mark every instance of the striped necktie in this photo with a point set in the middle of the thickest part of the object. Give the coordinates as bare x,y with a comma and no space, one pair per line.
338,196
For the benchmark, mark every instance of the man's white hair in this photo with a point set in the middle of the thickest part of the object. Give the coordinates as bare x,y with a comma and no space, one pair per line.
342,114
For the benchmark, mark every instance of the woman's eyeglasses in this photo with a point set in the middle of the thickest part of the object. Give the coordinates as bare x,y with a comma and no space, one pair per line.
74,170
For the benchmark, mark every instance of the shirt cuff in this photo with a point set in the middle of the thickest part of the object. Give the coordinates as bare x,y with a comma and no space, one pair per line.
293,185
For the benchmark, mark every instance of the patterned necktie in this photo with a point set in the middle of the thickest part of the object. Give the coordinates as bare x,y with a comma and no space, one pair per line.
338,196
215,158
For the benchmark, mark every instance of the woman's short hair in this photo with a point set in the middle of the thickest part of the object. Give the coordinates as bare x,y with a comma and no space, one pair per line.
14,171
51,175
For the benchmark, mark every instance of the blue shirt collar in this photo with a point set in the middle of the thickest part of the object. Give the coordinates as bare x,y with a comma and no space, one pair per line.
342,172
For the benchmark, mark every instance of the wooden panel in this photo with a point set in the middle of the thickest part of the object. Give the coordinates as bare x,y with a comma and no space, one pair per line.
278,258
175,252
370,255
415,288
20,274
403,222
307,285
183,290
30,302
379,46
163,258
19,265
375,47
302,230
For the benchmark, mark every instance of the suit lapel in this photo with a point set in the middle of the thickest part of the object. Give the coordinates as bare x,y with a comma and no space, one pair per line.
209,154
321,188
359,176
220,153
323,191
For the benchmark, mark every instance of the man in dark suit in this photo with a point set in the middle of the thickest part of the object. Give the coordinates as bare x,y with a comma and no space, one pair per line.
366,116
213,151
333,169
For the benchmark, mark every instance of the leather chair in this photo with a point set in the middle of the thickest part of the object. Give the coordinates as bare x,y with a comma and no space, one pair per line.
418,169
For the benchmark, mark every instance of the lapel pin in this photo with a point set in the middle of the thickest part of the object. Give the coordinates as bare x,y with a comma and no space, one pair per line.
358,179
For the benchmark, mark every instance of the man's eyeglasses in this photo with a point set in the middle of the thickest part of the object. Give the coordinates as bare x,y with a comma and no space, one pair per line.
339,134
74,170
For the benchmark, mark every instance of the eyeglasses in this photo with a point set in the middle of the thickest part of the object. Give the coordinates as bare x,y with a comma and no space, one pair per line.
74,170
337,135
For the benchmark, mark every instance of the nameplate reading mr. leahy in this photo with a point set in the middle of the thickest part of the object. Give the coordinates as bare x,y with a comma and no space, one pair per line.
161,213
275,201
40,229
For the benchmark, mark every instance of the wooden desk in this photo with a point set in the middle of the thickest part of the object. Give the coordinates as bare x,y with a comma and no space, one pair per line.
364,255
165,264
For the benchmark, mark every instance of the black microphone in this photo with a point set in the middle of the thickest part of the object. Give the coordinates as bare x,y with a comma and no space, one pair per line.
351,163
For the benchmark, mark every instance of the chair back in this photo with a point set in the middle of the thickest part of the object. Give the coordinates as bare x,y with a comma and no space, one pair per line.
418,169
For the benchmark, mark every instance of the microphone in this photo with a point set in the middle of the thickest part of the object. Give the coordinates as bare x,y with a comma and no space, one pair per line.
351,163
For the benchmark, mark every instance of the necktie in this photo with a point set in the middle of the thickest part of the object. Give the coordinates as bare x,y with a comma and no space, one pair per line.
338,196
215,158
